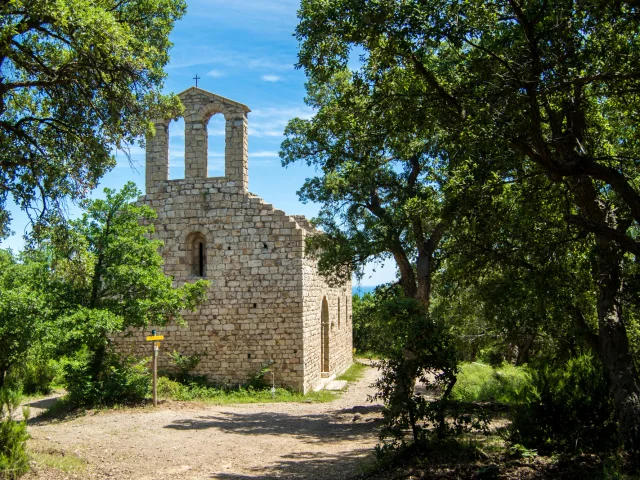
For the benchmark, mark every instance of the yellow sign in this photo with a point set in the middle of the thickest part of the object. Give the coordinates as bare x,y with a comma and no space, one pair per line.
153,338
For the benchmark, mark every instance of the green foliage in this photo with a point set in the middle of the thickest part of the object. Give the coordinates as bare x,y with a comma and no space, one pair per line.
516,279
201,390
518,451
526,109
37,375
168,388
78,284
105,275
184,363
21,309
363,329
261,378
13,436
481,383
416,347
122,380
568,409
80,77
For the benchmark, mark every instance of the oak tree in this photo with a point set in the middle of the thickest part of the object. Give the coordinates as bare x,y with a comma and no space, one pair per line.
504,83
78,80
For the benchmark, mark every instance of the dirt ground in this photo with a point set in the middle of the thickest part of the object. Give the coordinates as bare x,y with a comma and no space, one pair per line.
194,441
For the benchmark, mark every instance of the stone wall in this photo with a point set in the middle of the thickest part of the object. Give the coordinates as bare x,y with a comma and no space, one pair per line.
340,325
265,300
253,256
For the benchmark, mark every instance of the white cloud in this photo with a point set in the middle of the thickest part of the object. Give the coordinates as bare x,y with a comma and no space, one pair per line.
263,154
271,78
215,74
189,56
270,122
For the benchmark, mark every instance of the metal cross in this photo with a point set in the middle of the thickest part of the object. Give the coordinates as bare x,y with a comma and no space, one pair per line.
196,78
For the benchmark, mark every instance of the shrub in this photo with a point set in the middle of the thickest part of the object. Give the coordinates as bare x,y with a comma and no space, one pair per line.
567,409
482,383
184,363
415,346
168,388
122,380
260,379
493,354
35,376
13,436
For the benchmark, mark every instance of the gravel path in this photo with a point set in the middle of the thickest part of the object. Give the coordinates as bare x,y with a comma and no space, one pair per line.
194,441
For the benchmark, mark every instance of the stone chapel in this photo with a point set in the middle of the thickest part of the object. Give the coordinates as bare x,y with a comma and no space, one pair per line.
267,304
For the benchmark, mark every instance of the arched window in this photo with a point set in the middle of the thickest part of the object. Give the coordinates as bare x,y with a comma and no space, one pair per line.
324,337
197,254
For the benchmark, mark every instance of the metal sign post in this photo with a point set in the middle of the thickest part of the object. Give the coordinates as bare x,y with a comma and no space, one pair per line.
156,350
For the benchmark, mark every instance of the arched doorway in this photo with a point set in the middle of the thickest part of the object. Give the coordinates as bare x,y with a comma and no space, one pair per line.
324,337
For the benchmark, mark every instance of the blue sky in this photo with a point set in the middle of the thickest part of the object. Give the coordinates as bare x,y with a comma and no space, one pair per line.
246,51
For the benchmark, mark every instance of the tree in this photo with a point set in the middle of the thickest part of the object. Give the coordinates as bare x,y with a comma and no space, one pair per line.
382,195
21,310
106,275
79,79
380,190
550,85
517,277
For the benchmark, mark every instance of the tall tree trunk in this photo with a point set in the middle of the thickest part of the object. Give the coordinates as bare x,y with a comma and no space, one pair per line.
612,334
614,347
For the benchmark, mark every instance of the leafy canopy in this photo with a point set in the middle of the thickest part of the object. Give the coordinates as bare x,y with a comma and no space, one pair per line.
106,274
22,309
79,78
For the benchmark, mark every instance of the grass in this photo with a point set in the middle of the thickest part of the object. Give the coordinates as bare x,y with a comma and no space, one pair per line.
67,462
367,355
201,391
483,383
213,394
353,373
34,397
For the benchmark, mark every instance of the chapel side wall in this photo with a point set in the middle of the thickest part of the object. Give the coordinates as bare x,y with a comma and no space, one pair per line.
254,308
340,333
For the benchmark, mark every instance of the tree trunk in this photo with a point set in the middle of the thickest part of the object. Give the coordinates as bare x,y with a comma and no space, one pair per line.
2,374
423,268
524,347
614,348
97,363
612,333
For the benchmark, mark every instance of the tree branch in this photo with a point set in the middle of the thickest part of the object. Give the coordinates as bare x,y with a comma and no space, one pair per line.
625,242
